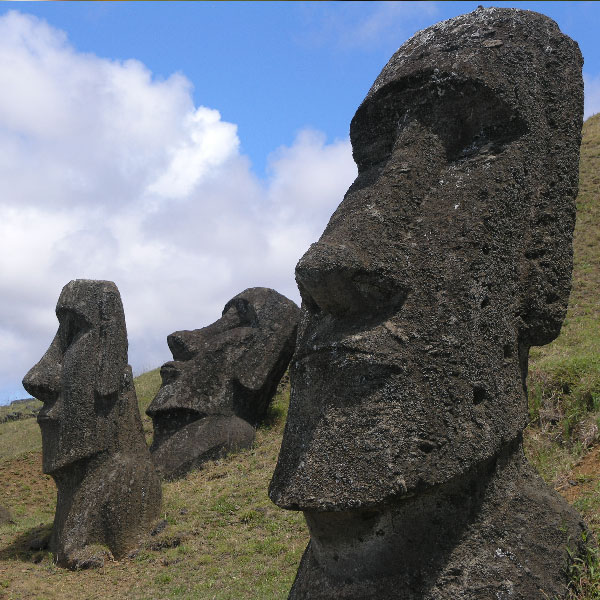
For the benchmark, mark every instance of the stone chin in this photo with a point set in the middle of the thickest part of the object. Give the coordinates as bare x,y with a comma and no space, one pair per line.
62,447
390,440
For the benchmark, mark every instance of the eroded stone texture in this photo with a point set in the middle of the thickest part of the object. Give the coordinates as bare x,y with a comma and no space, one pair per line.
450,255
222,378
93,445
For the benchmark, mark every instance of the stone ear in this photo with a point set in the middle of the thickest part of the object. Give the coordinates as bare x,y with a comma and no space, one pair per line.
548,251
548,259
112,345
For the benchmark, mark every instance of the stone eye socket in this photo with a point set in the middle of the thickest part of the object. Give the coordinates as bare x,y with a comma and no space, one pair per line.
470,119
467,117
72,327
169,373
243,311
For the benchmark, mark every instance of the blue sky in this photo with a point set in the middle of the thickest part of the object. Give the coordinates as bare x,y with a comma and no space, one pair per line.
185,150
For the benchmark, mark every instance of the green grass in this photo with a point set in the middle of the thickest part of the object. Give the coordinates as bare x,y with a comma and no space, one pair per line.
584,574
146,386
17,437
24,408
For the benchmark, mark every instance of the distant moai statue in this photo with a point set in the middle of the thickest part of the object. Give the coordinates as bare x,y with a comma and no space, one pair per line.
221,381
93,445
450,255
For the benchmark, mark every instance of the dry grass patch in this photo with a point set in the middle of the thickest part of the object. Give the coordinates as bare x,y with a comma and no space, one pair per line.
17,437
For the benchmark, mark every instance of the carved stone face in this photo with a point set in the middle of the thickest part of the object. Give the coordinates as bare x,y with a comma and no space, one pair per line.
449,257
230,367
78,377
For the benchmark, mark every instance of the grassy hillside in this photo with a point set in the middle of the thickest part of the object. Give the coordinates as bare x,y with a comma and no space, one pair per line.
20,409
224,538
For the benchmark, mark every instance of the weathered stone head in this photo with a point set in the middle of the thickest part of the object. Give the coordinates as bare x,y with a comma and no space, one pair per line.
221,380
448,258
92,439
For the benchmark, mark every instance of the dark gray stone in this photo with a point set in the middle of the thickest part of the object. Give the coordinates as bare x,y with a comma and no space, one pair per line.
450,255
222,378
93,445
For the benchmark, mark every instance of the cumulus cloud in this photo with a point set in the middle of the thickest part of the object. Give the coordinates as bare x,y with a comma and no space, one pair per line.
109,173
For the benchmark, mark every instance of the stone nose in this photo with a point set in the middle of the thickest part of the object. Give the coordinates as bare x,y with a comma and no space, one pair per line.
335,279
43,380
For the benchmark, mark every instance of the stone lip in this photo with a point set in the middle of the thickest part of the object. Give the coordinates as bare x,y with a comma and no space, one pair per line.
222,373
450,255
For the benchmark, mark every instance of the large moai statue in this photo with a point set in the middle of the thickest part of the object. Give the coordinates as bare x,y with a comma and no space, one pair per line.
93,446
221,381
450,255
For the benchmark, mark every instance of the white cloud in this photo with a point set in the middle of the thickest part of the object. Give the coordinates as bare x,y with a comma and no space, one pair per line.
308,180
108,173
592,95
208,143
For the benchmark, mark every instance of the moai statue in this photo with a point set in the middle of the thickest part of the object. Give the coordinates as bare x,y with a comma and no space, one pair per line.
221,381
450,255
93,446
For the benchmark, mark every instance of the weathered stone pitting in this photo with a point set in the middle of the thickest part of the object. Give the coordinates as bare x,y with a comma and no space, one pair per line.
222,378
449,257
93,444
